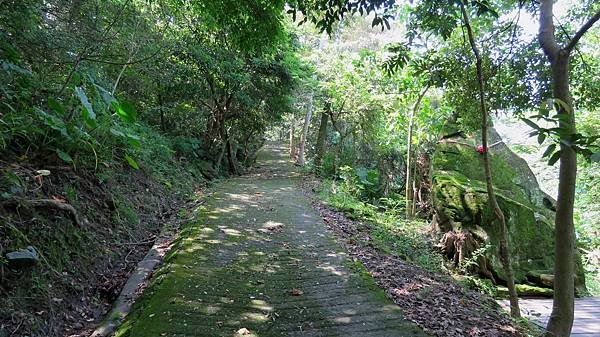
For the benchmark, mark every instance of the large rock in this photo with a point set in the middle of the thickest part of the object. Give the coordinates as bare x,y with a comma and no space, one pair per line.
461,204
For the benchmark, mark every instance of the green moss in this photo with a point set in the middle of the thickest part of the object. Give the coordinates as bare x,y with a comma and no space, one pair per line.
527,290
460,198
464,159
473,282
368,281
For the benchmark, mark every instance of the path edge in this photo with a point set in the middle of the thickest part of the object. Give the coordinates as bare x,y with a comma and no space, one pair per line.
139,279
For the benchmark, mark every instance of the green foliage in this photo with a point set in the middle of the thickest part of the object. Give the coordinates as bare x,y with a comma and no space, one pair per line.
471,262
482,285
561,133
387,227
361,182
165,69
587,208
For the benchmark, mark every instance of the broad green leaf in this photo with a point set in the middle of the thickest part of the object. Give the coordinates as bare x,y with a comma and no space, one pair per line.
555,157
88,111
132,162
549,150
53,122
562,105
117,133
544,110
56,106
106,95
64,156
591,140
530,123
134,141
561,117
11,67
125,111
541,138
586,153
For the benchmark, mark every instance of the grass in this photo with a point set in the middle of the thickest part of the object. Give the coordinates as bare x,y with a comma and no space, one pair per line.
390,231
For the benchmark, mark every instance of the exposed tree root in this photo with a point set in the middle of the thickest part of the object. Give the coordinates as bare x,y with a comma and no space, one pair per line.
460,246
48,203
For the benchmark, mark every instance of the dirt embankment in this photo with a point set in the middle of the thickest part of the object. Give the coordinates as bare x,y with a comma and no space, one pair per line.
89,231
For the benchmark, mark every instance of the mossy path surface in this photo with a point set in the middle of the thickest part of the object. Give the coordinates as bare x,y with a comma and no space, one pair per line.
258,261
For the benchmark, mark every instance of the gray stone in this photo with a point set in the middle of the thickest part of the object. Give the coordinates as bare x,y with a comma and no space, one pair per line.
24,258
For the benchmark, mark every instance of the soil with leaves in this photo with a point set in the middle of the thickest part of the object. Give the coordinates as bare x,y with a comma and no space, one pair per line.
84,259
433,301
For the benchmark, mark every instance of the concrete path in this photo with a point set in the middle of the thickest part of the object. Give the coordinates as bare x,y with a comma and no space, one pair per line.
259,262
587,314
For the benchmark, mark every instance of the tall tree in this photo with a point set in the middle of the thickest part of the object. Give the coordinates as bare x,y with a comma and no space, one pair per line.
498,213
307,117
440,18
561,319
321,137
409,195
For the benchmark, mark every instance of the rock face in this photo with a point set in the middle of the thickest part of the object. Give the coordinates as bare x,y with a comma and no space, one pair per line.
460,202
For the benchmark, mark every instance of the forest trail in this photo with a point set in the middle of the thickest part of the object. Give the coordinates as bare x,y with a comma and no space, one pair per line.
260,262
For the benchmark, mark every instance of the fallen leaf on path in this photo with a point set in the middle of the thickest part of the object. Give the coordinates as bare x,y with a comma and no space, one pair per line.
243,332
43,172
296,292
271,228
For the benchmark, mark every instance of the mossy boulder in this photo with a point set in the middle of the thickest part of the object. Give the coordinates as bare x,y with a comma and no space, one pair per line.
461,204
526,290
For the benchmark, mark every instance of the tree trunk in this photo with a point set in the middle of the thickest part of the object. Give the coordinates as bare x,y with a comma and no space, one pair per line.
561,318
230,158
163,122
114,89
220,157
292,141
504,251
246,141
415,189
321,141
223,137
408,188
302,146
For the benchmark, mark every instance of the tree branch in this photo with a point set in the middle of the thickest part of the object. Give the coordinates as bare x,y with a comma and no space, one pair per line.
586,26
117,63
546,34
562,28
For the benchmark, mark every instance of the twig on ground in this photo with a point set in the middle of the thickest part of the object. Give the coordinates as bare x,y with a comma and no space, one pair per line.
140,242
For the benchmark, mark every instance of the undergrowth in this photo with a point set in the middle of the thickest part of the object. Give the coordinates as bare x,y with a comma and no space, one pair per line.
392,233
122,209
389,230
